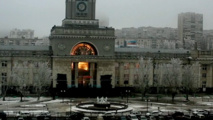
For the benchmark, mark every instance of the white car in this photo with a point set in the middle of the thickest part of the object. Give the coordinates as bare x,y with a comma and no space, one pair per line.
20,118
85,118
132,117
154,113
23,114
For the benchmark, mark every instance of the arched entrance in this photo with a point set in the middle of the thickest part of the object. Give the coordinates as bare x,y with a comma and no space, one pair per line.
84,49
84,73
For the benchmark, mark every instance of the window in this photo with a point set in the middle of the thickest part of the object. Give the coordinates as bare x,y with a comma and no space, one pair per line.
17,42
3,77
2,42
204,75
126,78
204,84
204,67
4,63
11,42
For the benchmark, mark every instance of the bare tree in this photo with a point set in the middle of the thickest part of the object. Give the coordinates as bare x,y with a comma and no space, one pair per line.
158,77
20,76
172,76
144,74
42,78
190,79
6,84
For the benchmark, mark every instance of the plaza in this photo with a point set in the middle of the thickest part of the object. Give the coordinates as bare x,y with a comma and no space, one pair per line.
62,107
85,65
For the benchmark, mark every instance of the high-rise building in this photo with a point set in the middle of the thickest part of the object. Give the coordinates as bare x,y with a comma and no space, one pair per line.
26,33
190,29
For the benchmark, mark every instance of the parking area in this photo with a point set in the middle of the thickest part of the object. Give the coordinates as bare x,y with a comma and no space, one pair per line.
60,109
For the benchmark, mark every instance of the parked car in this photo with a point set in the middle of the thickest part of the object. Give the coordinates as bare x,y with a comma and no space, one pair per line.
142,117
132,117
76,116
199,111
23,114
20,118
151,118
199,116
169,117
122,118
43,115
2,115
85,118
178,115
154,113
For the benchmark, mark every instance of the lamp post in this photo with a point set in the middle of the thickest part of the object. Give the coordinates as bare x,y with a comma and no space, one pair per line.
71,101
127,94
147,104
62,93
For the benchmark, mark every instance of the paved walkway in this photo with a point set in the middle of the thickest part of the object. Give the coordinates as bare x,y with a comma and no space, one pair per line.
60,106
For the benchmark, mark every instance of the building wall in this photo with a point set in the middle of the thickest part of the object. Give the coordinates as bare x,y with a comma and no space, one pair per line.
7,64
26,33
190,26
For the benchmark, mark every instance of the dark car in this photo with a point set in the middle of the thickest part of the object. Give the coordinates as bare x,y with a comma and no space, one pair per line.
122,118
76,116
3,115
45,116
142,117
178,115
169,117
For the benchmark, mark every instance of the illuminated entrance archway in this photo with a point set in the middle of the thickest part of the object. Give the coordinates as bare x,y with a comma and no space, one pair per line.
84,73
84,49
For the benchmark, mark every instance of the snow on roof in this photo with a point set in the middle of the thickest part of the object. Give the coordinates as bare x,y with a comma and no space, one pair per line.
145,50
31,48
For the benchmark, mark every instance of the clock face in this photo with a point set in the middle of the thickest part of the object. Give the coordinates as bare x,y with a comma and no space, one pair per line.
107,47
81,6
61,46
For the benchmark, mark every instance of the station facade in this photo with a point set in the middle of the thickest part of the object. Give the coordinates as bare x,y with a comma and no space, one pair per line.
82,54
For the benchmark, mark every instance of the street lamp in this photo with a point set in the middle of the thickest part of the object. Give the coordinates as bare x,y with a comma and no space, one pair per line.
147,103
62,92
127,93
71,101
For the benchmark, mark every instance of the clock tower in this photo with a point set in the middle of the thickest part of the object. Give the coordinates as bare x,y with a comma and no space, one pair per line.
83,52
79,10
80,26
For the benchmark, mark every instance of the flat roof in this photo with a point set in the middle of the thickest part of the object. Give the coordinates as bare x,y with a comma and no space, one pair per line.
30,48
145,50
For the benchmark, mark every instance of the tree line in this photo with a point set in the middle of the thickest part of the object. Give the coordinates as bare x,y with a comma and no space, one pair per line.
27,75
173,77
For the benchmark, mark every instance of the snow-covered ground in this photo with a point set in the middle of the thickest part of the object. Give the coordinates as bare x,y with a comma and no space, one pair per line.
13,105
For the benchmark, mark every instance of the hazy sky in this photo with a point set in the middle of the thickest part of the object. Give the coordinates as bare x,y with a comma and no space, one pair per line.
41,15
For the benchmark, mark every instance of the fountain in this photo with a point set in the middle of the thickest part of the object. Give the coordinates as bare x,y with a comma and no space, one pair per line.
102,105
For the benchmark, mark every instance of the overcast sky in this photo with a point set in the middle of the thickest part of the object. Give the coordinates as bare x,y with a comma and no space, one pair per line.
41,15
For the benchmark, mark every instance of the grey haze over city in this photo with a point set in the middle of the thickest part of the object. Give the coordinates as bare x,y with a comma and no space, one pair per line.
41,15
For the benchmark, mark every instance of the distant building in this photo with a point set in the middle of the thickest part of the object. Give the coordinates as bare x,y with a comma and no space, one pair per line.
19,41
190,29
26,33
146,37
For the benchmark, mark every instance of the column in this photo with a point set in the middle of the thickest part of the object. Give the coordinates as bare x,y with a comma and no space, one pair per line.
131,74
76,74
209,82
98,82
121,74
69,74
91,73
68,9
70,85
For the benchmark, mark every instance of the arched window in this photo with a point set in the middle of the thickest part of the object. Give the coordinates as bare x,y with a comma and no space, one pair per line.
84,49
